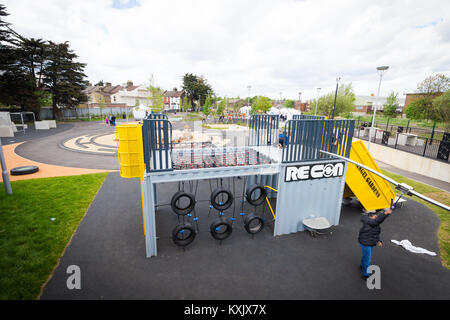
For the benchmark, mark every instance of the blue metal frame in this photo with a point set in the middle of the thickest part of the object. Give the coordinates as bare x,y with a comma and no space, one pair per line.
307,117
263,130
305,139
157,139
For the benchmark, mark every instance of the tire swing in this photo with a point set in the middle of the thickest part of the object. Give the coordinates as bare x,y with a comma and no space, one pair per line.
221,228
220,205
182,210
183,234
254,224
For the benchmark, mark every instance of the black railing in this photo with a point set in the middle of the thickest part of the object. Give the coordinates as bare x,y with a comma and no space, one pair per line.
409,142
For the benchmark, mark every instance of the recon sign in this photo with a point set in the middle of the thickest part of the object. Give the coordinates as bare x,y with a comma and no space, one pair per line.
314,171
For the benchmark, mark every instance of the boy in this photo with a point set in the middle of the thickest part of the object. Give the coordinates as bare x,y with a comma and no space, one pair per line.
369,237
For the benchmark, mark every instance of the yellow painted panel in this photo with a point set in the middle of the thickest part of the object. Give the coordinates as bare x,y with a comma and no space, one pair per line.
371,190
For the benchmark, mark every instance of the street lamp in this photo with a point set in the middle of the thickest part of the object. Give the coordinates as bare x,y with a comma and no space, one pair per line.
381,71
317,100
335,95
248,99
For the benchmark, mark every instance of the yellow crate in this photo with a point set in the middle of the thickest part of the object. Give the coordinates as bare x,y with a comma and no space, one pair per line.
130,150
371,190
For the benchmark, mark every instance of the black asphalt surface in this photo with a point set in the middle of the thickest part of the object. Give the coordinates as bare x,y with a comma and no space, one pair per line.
109,248
49,149
32,134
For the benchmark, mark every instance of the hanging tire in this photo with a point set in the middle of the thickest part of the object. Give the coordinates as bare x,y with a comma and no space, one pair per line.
183,234
253,224
251,191
221,229
219,205
18,171
182,210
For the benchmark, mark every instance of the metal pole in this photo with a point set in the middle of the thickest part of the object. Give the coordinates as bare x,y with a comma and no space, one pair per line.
335,96
374,112
23,125
5,174
317,101
432,132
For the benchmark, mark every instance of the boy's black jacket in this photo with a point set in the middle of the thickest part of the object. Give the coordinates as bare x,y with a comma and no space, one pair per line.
369,235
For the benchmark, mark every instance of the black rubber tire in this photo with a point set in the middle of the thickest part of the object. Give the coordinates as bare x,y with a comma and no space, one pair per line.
180,229
221,222
223,206
182,210
252,189
18,171
247,223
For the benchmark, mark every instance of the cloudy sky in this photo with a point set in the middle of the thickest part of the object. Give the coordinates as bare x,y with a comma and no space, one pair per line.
280,47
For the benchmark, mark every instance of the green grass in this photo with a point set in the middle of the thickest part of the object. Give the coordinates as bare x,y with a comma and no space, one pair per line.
444,216
30,242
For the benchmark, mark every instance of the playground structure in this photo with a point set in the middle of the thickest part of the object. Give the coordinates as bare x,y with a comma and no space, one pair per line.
307,177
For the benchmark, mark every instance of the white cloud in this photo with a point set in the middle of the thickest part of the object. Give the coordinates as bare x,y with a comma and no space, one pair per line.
275,46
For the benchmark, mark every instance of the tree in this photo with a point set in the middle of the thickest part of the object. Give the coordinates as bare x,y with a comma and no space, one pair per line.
434,84
289,104
261,104
344,101
416,109
221,107
64,77
441,108
430,88
185,104
155,96
196,88
207,106
34,72
100,83
390,107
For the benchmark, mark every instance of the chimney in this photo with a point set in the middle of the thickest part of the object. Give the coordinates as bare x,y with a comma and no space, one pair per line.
300,96
108,84
175,89
129,83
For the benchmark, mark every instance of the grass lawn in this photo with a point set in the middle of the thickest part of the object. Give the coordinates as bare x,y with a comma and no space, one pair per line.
30,241
444,216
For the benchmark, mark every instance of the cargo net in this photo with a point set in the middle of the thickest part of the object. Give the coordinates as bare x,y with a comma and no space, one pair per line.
218,157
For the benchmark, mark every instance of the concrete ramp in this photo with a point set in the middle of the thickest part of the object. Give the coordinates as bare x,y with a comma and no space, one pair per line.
371,190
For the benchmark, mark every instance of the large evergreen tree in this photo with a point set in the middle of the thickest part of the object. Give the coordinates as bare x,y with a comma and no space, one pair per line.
196,88
64,77
34,72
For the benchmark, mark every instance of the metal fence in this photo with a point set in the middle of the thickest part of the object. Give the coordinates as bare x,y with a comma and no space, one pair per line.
306,117
157,138
263,130
409,142
305,139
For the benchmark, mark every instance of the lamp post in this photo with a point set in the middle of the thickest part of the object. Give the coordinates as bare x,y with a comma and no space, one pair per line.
317,100
335,95
248,99
381,71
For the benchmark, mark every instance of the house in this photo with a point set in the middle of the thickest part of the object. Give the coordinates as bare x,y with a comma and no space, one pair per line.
173,99
131,95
